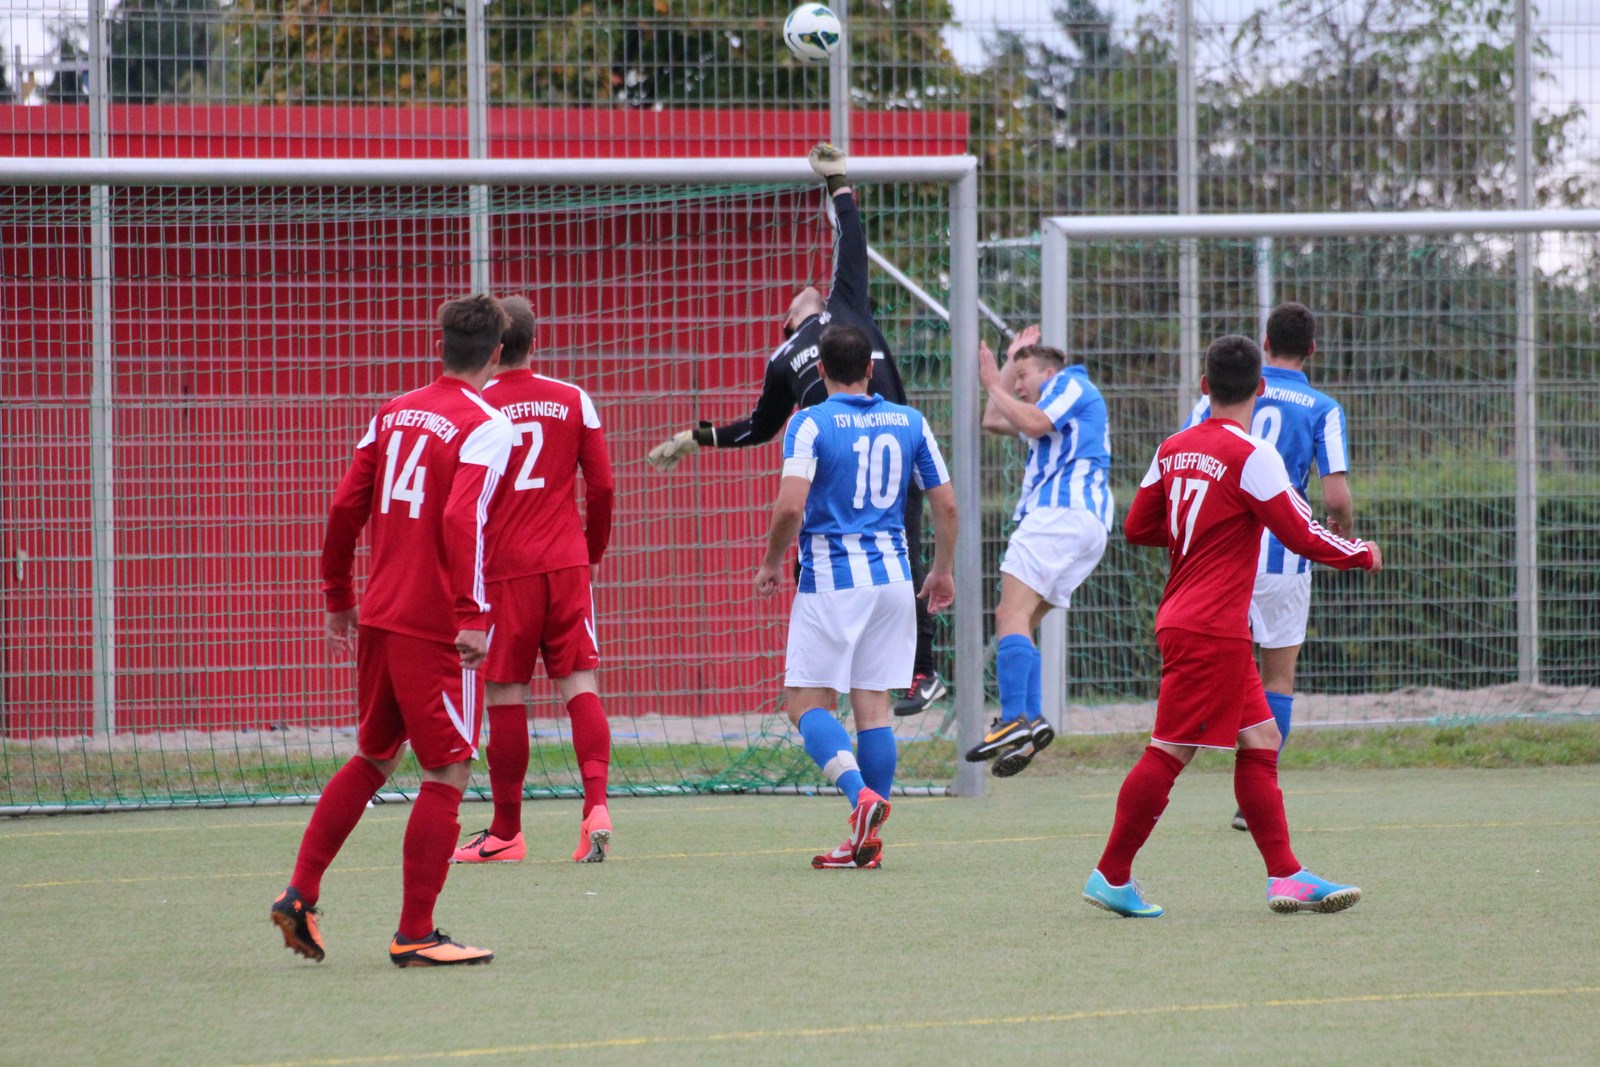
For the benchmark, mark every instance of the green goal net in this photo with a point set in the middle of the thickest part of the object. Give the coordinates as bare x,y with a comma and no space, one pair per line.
190,369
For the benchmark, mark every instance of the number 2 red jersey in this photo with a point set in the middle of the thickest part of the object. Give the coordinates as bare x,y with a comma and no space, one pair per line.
1209,491
534,525
423,477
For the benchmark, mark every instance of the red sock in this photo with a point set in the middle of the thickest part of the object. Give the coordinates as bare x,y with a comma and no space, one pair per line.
591,743
338,810
508,766
1140,802
431,834
1255,787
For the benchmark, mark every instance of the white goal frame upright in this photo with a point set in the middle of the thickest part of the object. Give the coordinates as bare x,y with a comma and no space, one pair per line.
1058,231
958,174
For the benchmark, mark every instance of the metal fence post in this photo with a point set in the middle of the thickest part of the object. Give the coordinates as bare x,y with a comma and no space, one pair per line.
1053,331
964,434
102,394
839,82
1188,204
478,145
1525,390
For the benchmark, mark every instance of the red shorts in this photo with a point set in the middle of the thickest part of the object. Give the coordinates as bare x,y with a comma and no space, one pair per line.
412,689
549,614
1210,690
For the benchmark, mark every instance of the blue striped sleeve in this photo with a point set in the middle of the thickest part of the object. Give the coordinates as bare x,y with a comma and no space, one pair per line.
928,470
1061,396
1331,454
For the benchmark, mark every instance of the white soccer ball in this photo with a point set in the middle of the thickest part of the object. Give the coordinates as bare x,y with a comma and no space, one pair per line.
812,33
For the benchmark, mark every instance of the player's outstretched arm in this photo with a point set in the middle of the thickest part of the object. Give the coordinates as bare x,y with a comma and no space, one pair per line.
849,286
1285,512
939,587
787,515
777,400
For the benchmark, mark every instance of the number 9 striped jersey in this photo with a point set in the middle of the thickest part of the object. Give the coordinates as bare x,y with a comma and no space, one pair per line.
860,453
1305,425
1208,493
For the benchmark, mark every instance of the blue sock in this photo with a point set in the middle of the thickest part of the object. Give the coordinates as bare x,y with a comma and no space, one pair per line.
828,742
1281,705
878,754
1013,662
1035,702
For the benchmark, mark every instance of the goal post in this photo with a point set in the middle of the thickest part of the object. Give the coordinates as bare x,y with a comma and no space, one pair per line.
1453,306
132,239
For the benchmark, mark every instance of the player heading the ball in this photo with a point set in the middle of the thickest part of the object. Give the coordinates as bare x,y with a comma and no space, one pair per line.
847,465
1206,497
1062,520
422,480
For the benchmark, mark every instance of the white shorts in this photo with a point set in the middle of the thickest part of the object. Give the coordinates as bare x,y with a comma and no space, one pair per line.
848,639
1053,550
1278,609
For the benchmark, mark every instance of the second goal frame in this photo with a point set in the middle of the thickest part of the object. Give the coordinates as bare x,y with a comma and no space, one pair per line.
1058,232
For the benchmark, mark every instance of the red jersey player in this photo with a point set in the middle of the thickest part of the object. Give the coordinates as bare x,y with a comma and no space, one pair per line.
540,554
1205,498
422,478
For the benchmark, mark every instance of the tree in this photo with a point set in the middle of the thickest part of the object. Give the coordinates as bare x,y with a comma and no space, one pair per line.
160,49
642,53
1406,105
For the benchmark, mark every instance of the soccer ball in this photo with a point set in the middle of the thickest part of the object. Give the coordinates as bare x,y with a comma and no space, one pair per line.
812,33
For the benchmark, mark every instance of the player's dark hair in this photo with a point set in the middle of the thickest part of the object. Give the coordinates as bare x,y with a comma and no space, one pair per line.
518,338
1291,330
1052,357
846,354
1233,369
472,327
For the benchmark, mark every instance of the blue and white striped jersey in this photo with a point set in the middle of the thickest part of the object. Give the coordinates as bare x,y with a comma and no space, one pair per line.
1067,468
1305,426
859,453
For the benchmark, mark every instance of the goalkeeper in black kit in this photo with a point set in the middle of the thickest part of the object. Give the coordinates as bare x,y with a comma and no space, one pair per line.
793,380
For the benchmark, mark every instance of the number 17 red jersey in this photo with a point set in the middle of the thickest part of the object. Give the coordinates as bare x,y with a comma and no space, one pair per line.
534,525
1209,491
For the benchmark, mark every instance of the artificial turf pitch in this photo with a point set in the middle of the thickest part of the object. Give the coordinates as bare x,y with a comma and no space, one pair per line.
144,938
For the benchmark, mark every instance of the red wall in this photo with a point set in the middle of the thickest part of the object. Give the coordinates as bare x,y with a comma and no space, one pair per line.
250,354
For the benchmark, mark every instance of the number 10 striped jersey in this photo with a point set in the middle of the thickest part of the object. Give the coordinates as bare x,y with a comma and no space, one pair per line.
859,453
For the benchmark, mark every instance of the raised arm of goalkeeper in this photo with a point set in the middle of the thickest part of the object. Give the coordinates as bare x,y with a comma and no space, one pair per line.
778,391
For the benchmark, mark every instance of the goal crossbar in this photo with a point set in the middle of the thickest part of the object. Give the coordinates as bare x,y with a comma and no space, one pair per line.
947,170
1318,224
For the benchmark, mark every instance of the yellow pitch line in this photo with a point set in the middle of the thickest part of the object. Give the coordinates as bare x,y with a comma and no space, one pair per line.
236,826
940,1024
725,854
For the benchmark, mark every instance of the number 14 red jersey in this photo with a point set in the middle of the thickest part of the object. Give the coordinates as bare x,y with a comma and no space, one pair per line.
534,526
1205,498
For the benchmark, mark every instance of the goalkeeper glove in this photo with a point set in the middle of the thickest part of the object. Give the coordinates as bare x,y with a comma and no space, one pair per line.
668,453
829,164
